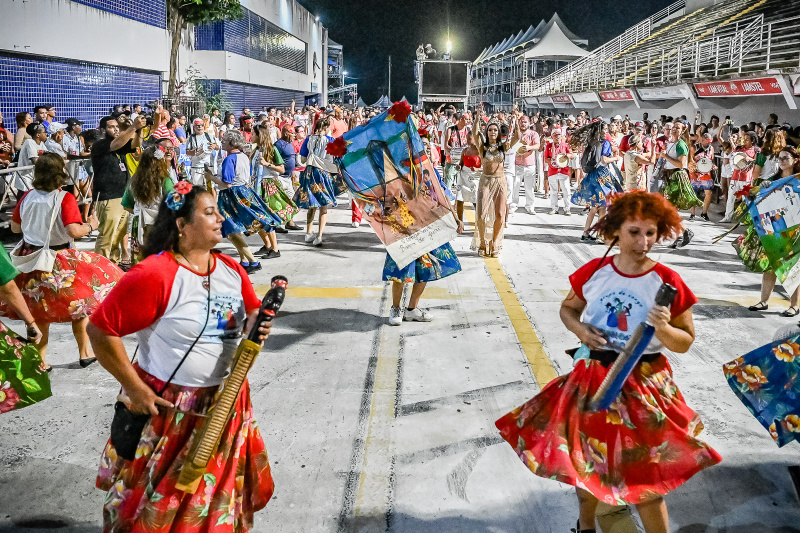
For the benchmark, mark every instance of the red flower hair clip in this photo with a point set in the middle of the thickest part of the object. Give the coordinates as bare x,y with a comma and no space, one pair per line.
337,148
399,112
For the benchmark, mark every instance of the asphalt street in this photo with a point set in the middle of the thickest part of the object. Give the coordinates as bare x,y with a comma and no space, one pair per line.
372,428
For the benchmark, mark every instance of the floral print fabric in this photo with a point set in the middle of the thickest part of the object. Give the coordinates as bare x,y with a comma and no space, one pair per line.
277,199
77,285
678,190
316,189
244,210
23,380
644,446
595,188
767,381
141,496
436,264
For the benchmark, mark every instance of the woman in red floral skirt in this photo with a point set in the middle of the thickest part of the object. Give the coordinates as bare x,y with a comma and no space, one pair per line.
72,287
645,444
188,321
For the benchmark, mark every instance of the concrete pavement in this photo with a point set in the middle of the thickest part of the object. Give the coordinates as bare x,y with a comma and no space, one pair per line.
372,428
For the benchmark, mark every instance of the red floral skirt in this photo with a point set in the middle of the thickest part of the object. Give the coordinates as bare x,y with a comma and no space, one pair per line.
77,285
642,447
141,495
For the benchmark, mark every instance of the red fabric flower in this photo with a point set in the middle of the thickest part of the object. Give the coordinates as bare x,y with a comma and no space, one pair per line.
183,187
745,191
423,132
337,148
399,112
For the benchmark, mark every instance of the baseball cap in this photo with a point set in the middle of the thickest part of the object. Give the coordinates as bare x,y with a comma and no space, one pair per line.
428,117
55,127
639,125
571,118
73,122
617,117
198,121
556,131
708,137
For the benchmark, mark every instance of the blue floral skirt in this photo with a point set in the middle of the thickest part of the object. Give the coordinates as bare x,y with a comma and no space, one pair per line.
595,187
244,210
436,264
316,189
767,381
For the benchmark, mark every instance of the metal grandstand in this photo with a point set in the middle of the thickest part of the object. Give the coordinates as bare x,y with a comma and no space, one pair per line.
724,40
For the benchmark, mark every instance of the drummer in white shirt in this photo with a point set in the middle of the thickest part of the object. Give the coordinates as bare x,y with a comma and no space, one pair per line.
200,146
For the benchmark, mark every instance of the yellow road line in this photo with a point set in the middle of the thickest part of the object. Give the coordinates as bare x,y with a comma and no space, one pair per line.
540,363
431,293
538,359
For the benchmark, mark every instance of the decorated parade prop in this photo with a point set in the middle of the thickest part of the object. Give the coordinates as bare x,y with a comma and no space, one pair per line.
774,210
395,184
629,355
206,440
767,381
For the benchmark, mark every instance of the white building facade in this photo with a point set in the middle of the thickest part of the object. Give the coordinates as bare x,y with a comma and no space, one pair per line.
84,56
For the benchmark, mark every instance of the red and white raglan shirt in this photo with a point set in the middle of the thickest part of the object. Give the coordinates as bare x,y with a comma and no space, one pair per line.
166,303
617,303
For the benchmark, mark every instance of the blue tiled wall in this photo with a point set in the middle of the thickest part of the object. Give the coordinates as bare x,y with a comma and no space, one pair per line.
153,12
255,37
241,95
77,89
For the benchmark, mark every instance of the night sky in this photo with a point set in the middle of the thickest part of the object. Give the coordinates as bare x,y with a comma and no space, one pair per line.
371,30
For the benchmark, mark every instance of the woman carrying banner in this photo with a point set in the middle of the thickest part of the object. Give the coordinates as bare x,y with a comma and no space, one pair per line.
749,245
645,444
197,305
492,206
598,182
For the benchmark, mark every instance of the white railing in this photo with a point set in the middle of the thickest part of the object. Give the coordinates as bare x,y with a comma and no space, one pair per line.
612,48
751,45
7,179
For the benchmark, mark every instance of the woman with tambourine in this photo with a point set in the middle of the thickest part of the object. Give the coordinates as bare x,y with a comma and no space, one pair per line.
700,167
189,320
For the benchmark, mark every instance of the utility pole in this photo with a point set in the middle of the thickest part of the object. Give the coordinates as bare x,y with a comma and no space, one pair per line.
390,79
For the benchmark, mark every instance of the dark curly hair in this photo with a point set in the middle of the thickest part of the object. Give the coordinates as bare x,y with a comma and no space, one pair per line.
148,181
642,205
163,236
589,135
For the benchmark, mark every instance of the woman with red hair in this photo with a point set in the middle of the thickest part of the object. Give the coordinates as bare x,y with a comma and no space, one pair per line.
645,444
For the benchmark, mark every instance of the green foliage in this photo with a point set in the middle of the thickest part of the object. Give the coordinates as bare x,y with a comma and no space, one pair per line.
195,81
205,11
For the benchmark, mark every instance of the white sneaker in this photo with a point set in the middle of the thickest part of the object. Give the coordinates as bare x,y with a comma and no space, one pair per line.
417,315
355,224
530,210
318,241
567,212
395,316
512,209
726,220
310,237
553,212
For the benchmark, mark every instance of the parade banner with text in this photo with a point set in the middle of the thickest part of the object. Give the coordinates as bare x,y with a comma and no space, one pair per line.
735,88
385,167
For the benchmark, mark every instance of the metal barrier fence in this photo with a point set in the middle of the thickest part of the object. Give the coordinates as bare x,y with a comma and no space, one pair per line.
605,52
751,45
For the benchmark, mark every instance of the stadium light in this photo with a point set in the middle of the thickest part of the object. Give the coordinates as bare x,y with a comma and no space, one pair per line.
317,18
344,73
449,46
